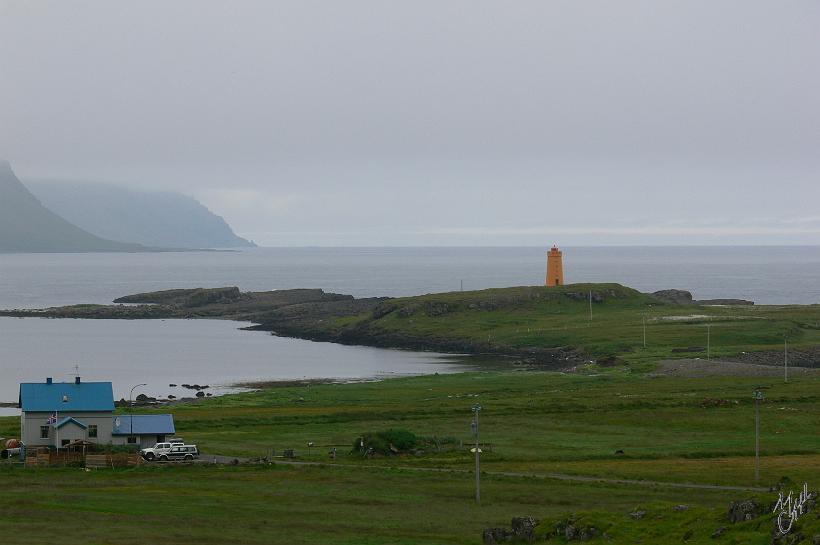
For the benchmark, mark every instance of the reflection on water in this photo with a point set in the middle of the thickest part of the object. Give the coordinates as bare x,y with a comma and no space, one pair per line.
205,352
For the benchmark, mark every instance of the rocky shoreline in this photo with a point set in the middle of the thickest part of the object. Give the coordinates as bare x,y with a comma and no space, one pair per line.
316,315
298,313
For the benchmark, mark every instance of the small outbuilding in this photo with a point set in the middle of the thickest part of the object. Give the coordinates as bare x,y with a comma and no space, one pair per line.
144,430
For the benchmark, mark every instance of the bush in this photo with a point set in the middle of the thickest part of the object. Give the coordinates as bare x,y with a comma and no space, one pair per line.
386,442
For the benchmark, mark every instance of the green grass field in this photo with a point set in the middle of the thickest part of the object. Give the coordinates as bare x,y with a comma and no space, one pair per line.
536,423
594,427
217,505
533,420
532,318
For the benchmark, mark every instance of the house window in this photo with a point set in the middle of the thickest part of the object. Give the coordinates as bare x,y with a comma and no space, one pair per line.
132,440
64,442
43,432
160,438
92,431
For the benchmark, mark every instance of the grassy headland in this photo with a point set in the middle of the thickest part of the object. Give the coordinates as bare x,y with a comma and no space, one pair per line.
557,326
555,323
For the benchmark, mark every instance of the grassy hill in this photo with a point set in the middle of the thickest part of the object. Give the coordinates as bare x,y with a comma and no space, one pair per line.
556,326
560,322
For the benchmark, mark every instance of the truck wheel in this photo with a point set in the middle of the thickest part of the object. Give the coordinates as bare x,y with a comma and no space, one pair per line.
189,457
163,458
149,456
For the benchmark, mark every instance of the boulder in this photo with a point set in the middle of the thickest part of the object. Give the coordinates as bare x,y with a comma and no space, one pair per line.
573,530
494,536
523,528
522,531
580,533
676,297
741,511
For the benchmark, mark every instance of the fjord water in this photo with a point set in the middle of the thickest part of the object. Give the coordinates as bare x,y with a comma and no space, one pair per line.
766,275
205,352
218,353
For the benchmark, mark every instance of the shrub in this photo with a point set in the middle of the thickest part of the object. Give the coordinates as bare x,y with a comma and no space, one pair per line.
386,442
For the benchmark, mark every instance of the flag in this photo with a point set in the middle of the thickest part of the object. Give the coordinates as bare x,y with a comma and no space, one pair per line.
52,419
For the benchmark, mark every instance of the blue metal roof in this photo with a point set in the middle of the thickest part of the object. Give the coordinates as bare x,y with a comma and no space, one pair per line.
66,396
144,424
65,421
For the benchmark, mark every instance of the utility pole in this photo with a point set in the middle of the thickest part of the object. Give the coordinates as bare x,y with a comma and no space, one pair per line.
758,396
786,359
708,341
644,330
590,305
462,285
476,410
131,411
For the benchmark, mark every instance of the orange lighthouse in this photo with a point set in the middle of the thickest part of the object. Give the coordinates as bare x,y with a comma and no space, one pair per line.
555,267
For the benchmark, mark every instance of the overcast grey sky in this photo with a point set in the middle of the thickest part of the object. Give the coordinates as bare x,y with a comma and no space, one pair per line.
432,122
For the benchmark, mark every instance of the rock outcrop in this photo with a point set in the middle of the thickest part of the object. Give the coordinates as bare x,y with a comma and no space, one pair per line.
522,530
683,297
741,511
675,297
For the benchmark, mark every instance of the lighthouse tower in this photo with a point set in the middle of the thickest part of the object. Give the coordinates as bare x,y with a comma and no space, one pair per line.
555,267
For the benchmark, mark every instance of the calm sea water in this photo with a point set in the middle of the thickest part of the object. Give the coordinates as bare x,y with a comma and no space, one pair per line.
206,352
218,354
767,275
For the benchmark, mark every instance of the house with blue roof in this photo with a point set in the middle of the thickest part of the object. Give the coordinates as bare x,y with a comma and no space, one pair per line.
57,414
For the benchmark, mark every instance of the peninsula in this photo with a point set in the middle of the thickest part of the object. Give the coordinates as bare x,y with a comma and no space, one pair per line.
556,327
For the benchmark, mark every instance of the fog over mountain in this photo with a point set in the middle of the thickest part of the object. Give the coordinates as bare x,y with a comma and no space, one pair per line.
159,219
27,226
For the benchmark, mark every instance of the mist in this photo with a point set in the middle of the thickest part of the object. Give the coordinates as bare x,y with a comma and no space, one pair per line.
429,123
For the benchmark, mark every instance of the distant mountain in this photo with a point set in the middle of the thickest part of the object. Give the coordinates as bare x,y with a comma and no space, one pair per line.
27,226
158,219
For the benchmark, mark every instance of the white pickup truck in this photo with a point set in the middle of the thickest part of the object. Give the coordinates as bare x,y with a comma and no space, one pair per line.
160,449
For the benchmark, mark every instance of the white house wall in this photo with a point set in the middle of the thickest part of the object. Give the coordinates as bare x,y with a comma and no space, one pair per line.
31,422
